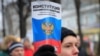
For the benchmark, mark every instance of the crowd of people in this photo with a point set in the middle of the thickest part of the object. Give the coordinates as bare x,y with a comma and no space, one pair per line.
70,46
14,46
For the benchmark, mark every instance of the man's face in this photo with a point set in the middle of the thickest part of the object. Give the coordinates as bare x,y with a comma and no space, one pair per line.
18,52
69,46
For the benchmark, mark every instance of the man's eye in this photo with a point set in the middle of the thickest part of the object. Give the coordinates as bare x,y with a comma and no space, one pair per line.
67,46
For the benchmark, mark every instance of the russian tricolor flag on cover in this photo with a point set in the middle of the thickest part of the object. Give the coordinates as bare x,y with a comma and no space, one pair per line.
46,23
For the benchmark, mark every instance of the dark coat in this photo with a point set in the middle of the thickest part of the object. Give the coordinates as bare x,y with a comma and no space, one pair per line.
82,52
4,53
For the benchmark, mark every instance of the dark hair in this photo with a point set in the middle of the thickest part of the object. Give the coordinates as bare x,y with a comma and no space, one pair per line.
45,50
66,32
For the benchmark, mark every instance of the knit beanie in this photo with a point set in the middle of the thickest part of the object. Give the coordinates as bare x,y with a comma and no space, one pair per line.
14,45
66,32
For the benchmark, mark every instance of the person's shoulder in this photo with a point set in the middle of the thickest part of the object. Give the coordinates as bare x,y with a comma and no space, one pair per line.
2,53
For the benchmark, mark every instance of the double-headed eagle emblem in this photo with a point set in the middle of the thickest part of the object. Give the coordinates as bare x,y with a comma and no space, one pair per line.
47,27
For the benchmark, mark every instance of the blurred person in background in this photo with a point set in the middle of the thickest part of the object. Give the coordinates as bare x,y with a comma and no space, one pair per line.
6,43
89,51
69,43
0,43
82,51
45,50
28,47
16,49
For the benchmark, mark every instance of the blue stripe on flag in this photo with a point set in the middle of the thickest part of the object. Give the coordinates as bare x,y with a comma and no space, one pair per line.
39,32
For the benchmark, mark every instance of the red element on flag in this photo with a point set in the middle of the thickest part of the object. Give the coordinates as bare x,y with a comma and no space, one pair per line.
55,43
